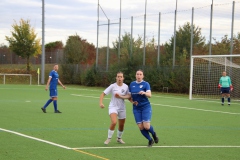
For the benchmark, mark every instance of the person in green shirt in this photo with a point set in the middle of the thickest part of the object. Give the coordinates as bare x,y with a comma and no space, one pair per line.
226,87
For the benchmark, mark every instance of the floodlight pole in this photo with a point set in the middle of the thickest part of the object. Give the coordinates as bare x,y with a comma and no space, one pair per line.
210,38
144,38
43,45
158,55
97,35
232,29
174,43
119,39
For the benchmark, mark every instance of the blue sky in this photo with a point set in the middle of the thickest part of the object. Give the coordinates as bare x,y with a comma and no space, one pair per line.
64,18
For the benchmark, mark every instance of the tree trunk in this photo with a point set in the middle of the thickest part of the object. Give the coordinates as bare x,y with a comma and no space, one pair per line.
28,66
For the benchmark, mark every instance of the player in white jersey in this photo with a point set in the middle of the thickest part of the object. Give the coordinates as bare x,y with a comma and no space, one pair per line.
117,108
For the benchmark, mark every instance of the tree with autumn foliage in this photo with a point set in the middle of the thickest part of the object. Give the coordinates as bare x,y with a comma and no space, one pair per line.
24,41
223,46
79,51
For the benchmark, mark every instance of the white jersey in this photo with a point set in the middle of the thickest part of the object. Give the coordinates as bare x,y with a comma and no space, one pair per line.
117,102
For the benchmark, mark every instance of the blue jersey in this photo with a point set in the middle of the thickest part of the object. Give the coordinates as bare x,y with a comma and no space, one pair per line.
54,81
135,87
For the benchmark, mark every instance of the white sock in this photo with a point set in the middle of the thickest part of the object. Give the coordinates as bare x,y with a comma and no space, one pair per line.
119,134
110,133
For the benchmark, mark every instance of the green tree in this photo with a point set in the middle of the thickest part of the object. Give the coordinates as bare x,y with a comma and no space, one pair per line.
128,47
23,41
183,42
54,46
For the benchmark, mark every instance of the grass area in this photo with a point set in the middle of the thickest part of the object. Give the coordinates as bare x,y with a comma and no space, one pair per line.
187,129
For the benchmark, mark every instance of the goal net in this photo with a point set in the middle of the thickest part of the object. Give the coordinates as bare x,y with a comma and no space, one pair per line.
206,71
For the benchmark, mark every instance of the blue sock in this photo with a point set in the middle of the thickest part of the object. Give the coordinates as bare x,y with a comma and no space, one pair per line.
222,99
151,130
55,105
228,99
146,134
48,102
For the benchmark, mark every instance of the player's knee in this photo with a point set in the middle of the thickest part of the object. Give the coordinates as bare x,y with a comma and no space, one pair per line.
114,123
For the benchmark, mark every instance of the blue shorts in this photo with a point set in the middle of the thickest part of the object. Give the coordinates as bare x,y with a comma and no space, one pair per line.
225,90
142,114
53,92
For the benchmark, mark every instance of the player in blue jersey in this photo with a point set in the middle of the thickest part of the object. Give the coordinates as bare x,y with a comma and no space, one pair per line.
140,91
52,83
226,87
117,108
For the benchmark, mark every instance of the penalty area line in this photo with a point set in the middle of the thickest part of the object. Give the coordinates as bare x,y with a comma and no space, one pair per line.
51,143
126,147
37,139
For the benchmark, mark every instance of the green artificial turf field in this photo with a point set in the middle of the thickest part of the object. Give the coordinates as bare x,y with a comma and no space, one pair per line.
188,129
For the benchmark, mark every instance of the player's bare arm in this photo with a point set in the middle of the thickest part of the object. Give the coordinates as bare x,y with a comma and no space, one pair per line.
61,84
101,100
48,82
123,96
148,93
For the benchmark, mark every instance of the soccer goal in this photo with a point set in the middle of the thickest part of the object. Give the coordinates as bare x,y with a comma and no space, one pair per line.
5,74
206,71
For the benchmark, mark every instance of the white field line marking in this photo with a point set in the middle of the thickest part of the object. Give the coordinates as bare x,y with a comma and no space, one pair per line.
93,90
48,142
205,100
79,95
85,148
125,147
194,109
169,106
37,139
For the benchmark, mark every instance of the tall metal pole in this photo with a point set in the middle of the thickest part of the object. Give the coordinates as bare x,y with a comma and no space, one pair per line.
108,45
191,49
144,37
119,40
131,37
43,45
97,35
174,43
158,55
192,28
232,29
210,38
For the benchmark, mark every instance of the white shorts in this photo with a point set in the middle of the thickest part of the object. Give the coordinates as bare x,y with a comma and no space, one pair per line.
121,113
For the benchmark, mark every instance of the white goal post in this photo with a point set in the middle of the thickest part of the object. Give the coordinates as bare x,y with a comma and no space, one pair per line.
206,71
4,76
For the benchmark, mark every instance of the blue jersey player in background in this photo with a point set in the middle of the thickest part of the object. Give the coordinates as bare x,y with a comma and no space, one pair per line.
140,91
52,83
